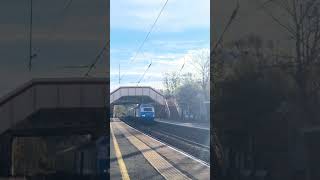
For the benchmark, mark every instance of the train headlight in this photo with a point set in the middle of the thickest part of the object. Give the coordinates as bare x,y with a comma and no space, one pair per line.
143,115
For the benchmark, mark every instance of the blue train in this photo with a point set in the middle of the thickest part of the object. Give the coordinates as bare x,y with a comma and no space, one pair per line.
144,112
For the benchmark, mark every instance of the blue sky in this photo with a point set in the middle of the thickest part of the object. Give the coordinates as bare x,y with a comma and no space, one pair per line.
182,30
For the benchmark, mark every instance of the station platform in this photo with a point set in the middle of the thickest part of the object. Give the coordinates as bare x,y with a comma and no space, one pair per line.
135,155
204,126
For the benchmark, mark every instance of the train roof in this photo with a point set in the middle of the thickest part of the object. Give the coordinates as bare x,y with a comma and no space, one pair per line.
146,105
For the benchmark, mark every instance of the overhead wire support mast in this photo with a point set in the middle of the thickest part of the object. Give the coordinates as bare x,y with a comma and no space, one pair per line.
148,34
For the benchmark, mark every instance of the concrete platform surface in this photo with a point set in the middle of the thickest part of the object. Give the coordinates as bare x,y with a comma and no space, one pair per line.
135,155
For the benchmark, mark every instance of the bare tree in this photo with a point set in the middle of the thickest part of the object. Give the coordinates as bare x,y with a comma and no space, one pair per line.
216,76
201,63
171,82
303,26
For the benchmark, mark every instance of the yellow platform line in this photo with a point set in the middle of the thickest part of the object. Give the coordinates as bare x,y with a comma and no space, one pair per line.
122,165
167,170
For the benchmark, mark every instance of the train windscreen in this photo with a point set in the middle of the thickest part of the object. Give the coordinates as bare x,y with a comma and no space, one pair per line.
147,109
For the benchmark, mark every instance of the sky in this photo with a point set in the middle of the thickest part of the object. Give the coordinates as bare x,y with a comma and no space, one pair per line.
63,36
182,30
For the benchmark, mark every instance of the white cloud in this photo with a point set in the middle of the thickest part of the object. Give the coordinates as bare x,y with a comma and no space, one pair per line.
167,55
162,63
179,44
177,16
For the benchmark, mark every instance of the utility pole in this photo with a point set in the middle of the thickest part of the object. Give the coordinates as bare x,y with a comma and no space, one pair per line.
119,73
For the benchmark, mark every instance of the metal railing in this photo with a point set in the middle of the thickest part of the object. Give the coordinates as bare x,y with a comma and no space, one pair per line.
167,109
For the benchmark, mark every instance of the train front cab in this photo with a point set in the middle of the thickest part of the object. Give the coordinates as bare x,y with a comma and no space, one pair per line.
147,114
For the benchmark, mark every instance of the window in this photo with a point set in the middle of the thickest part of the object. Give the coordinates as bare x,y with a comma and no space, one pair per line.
147,109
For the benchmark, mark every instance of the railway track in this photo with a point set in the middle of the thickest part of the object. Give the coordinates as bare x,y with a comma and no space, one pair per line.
189,145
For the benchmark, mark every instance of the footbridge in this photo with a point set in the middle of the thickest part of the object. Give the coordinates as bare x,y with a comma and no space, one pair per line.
52,107
139,95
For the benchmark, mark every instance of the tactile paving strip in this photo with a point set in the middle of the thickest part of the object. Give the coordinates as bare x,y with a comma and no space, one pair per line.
187,165
122,166
167,170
